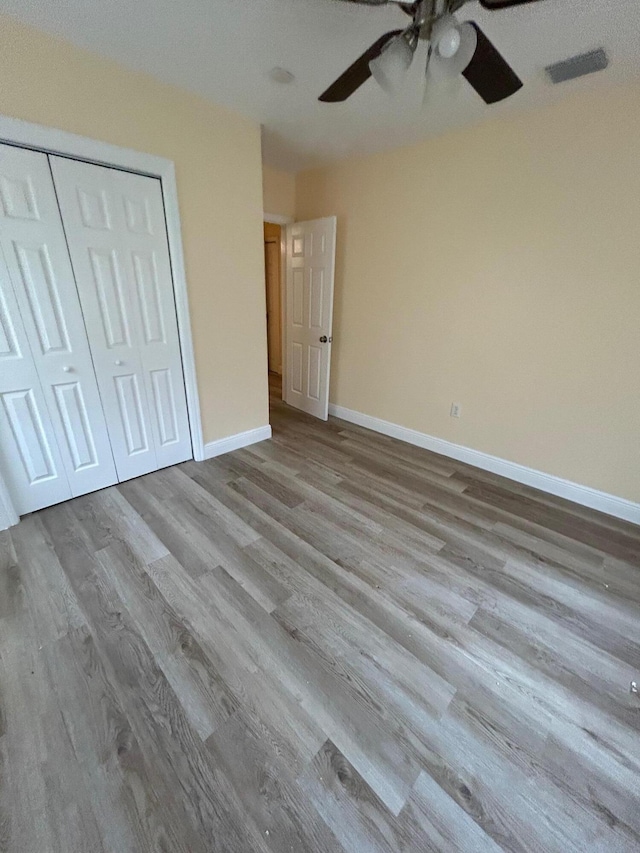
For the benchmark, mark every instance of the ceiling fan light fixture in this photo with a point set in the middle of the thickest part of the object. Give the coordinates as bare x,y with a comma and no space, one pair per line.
455,45
449,43
390,67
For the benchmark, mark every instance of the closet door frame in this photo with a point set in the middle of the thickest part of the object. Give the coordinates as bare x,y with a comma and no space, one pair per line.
52,141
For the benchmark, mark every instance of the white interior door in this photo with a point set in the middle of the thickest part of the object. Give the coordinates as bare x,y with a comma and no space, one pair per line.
114,222
310,257
52,423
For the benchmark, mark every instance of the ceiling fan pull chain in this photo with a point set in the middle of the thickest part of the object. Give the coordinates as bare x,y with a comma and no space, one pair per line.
425,94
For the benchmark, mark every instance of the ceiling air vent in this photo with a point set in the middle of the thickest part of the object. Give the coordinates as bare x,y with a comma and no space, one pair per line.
578,66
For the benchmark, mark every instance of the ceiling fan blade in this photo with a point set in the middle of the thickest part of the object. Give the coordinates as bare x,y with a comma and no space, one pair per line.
504,4
356,74
489,73
404,4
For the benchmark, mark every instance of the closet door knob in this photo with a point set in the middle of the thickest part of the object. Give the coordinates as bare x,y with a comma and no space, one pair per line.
67,369
117,362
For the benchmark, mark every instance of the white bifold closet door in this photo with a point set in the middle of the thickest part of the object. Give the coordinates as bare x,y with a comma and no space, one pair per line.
116,233
54,442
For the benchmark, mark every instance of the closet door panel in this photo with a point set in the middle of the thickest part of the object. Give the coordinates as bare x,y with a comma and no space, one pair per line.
92,224
41,276
159,342
116,232
29,455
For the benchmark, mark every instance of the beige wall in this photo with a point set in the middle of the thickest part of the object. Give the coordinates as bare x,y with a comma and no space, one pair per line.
219,176
279,192
498,267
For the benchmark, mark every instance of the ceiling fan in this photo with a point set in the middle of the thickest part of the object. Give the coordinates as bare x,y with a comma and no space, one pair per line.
456,48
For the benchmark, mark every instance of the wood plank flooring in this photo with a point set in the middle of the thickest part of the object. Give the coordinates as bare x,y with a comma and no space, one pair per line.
331,641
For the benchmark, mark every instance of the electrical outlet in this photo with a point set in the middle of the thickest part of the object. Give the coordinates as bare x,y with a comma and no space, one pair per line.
456,410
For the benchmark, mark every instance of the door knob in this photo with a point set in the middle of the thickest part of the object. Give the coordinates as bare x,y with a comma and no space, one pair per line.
66,369
117,362
324,339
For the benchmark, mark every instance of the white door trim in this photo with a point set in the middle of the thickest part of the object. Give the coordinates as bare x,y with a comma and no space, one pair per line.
277,218
53,141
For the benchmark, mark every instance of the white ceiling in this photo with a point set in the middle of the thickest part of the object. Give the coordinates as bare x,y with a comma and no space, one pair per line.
223,49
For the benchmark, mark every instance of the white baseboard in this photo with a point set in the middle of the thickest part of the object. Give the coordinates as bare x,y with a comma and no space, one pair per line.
235,442
584,495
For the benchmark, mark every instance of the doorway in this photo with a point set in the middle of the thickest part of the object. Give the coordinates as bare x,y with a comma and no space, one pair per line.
299,279
273,285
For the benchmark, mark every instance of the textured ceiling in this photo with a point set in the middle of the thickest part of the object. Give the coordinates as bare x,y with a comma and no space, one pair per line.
224,49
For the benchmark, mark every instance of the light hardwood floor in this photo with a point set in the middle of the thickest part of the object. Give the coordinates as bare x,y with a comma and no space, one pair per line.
331,641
